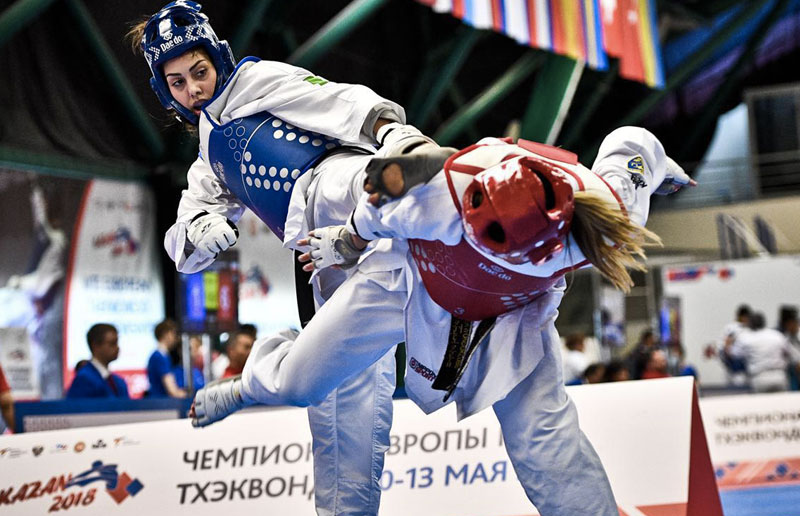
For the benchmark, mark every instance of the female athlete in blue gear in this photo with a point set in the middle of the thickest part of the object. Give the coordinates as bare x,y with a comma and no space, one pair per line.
292,147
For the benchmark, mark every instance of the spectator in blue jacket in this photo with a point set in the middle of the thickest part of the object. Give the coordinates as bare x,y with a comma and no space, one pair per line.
159,367
94,380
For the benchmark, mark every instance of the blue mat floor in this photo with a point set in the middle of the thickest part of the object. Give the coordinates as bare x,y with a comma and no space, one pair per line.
762,501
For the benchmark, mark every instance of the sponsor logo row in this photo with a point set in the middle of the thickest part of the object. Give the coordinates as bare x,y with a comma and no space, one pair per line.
11,452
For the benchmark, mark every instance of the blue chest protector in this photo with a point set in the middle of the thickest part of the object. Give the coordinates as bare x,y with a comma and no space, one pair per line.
259,159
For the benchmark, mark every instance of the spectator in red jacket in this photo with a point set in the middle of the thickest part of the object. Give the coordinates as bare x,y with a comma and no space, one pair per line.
6,401
656,365
239,346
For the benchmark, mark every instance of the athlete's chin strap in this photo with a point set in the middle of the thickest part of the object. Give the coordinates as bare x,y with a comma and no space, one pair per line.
459,352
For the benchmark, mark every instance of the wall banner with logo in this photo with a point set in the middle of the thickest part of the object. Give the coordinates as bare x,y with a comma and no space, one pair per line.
259,462
114,277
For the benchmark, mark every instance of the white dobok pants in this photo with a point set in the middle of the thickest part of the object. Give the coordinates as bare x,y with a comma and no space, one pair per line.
554,461
350,423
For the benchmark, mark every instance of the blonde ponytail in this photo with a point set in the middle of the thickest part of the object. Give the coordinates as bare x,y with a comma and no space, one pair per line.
608,238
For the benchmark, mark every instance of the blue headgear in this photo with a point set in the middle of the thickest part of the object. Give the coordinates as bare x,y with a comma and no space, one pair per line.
176,28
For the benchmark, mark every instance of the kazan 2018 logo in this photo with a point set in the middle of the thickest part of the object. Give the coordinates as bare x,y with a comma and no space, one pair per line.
119,486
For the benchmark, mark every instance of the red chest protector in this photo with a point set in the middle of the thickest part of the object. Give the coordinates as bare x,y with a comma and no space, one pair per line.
462,280
466,284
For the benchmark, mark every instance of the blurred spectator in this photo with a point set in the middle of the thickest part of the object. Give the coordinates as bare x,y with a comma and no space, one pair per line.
196,362
789,326
677,362
735,368
594,373
221,362
656,365
641,354
249,329
6,401
159,367
94,380
616,371
767,353
575,361
612,336
79,365
238,349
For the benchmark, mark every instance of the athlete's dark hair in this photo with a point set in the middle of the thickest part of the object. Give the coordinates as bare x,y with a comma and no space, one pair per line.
97,332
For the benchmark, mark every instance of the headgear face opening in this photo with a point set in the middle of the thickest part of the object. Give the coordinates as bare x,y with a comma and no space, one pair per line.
519,210
177,28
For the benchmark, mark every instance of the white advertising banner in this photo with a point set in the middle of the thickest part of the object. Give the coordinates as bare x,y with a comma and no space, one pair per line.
754,439
114,277
17,362
259,462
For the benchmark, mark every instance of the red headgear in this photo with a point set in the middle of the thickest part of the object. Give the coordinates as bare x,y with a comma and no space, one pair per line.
519,210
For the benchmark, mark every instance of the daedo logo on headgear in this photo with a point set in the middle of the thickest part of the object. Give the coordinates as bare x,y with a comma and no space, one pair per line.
119,486
177,40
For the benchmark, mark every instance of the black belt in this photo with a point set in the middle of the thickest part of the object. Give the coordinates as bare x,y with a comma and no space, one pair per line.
304,292
459,352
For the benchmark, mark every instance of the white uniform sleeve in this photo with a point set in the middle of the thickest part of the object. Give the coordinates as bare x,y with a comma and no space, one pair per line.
344,111
427,211
633,162
739,347
205,193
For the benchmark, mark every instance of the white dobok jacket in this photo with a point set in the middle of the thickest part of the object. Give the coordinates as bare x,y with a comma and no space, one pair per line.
630,165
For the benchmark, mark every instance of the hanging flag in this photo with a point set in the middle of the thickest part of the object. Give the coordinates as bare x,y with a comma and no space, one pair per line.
630,33
612,26
586,30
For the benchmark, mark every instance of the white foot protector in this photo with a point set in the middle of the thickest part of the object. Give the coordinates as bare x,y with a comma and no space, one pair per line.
217,400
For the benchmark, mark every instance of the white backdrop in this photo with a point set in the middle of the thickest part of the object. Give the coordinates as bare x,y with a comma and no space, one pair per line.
710,293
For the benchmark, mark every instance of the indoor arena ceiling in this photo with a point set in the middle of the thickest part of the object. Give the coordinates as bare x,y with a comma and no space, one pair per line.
76,101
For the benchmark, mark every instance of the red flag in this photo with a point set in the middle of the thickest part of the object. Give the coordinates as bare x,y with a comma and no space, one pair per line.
458,9
631,64
497,15
559,31
612,26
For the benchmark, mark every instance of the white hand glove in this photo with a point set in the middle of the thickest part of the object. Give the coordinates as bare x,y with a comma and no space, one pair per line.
674,180
217,400
211,233
333,245
397,139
